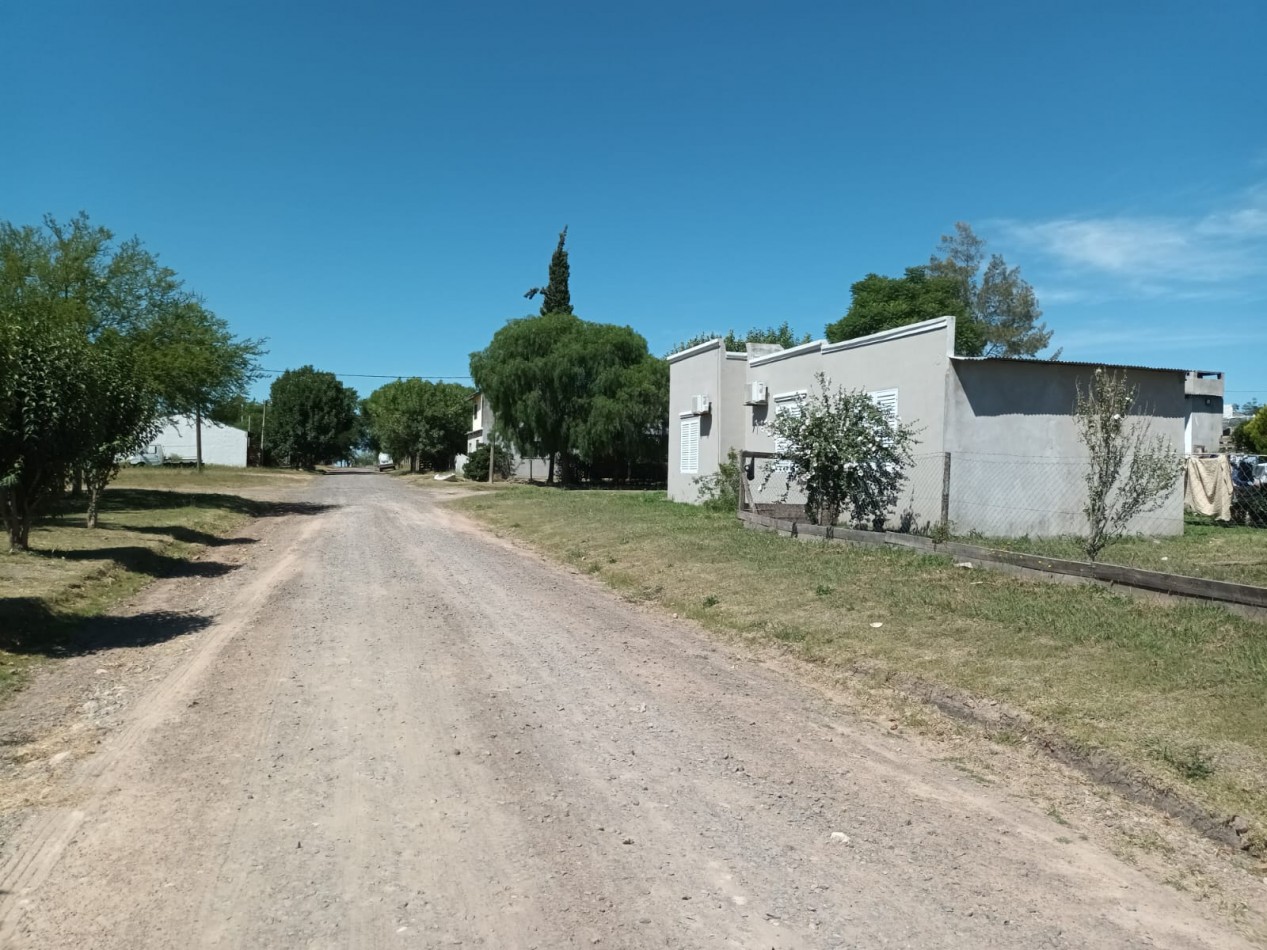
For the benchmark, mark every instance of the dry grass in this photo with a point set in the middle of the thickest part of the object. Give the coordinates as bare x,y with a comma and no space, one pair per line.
1176,690
212,477
152,522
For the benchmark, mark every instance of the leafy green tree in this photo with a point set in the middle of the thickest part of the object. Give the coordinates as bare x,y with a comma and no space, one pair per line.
73,301
1251,435
421,420
732,343
47,392
883,303
845,452
556,297
195,362
100,337
124,418
107,287
563,387
527,380
1002,303
312,417
626,421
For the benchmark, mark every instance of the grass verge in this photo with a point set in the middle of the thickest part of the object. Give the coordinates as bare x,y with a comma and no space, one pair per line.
1176,691
212,477
72,573
1207,548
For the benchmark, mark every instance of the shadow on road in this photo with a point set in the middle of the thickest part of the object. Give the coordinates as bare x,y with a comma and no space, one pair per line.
28,626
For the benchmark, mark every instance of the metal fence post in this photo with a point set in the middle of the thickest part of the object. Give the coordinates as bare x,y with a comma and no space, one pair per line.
945,492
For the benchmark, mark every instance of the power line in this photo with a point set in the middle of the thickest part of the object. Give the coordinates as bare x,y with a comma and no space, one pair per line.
278,372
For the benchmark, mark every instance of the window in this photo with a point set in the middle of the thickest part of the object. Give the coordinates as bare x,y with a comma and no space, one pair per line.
690,446
789,403
886,399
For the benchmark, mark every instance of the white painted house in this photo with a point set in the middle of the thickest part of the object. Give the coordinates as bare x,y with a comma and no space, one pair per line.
221,444
525,469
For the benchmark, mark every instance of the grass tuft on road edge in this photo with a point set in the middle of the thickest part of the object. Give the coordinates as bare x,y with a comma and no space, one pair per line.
1177,691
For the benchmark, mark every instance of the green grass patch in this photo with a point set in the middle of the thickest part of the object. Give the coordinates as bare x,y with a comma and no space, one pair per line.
1209,549
1104,670
72,573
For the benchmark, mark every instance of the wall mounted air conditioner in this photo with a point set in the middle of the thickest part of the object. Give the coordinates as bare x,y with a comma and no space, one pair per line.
756,395
702,406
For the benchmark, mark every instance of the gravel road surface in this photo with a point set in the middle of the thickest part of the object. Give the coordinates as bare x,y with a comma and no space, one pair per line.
368,724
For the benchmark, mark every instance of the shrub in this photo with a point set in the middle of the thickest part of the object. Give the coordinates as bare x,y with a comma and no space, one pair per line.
720,491
476,468
847,453
1130,471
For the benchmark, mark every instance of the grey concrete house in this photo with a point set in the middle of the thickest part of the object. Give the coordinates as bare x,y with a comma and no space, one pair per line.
1203,417
998,448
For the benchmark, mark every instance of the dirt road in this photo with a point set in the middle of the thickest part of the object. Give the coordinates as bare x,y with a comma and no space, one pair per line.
380,728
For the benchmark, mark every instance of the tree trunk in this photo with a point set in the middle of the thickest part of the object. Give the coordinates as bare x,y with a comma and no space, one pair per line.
198,436
77,484
550,471
17,520
94,496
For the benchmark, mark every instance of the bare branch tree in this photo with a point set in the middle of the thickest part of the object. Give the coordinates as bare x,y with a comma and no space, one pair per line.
1130,471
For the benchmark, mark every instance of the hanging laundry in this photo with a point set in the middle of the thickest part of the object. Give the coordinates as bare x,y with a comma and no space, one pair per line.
1208,486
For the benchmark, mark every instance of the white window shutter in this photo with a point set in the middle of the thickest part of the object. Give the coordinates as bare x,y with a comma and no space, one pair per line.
886,399
690,446
791,407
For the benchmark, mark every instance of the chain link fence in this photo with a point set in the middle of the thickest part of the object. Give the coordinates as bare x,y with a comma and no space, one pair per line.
997,497
1249,490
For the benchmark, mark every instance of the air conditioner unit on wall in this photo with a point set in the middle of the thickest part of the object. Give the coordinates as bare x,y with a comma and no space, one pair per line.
702,406
756,395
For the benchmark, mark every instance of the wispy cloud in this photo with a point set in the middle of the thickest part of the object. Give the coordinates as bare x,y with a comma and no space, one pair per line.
1155,255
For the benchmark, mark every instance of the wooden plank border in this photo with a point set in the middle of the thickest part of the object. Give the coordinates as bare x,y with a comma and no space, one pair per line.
1246,598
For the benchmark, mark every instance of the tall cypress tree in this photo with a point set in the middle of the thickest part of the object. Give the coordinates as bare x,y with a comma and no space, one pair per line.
555,296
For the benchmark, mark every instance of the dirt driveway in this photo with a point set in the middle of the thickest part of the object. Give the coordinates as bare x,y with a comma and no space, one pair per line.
377,727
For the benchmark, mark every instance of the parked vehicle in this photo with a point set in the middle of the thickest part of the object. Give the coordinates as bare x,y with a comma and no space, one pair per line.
150,455
1249,491
154,455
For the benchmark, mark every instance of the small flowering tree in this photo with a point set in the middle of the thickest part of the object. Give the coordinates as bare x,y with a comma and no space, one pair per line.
1129,473
847,454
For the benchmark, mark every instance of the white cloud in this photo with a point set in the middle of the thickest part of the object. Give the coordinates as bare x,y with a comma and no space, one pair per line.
1154,255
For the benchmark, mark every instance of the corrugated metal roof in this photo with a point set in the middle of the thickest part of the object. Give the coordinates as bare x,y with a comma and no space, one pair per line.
1021,359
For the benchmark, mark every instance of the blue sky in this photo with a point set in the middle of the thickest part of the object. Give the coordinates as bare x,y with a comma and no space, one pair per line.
373,186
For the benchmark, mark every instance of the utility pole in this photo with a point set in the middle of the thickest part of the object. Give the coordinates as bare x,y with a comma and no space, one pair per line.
263,422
